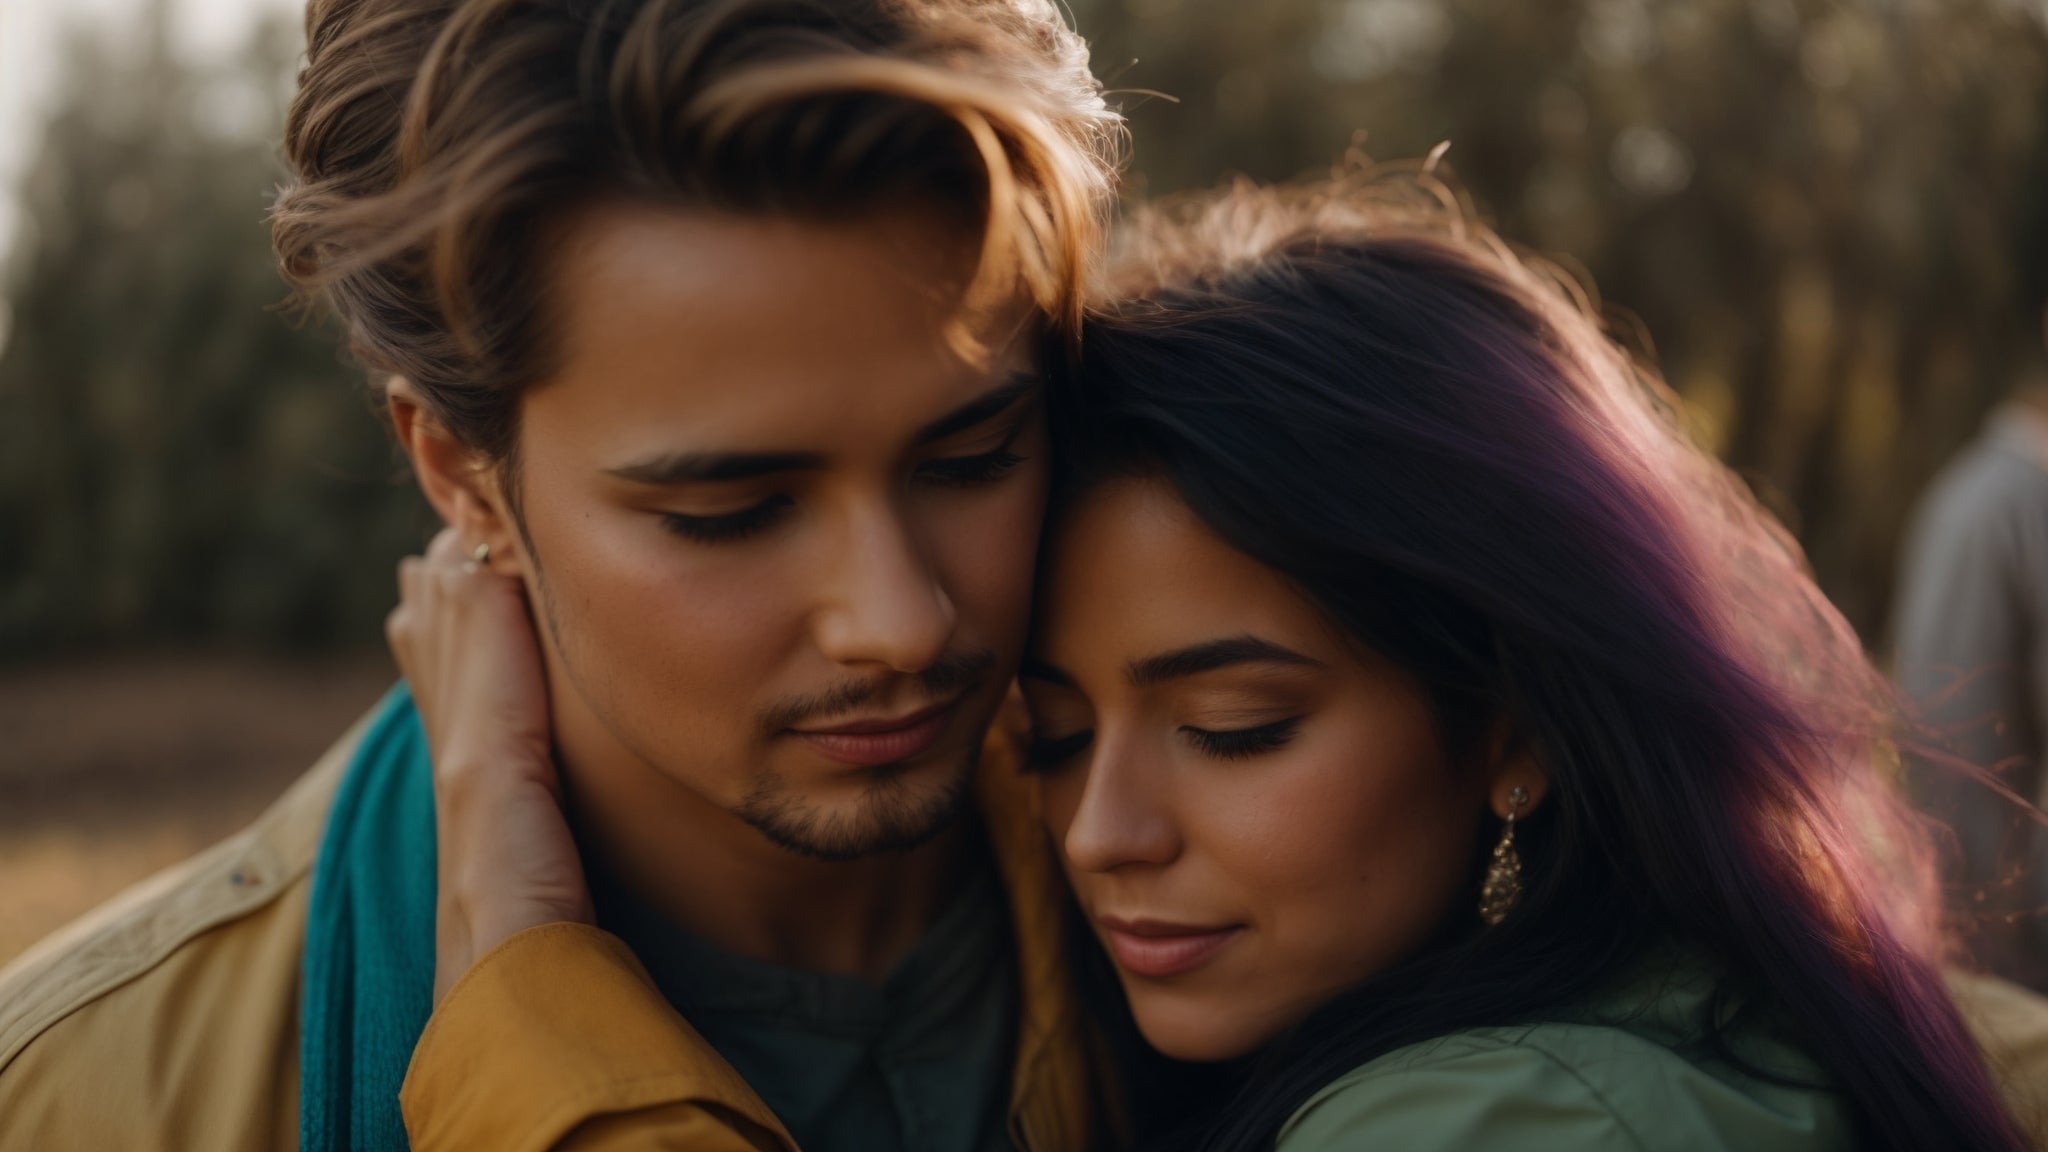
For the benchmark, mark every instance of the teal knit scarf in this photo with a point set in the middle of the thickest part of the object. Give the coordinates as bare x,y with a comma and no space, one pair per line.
369,963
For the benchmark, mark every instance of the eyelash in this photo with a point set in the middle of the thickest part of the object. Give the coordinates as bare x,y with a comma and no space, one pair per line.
1239,743
957,472
1045,755
731,526
971,471
1234,744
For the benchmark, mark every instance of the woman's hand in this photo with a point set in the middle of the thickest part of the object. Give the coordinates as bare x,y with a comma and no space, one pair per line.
463,638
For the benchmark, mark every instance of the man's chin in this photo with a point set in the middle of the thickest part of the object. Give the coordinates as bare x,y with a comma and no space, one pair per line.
894,812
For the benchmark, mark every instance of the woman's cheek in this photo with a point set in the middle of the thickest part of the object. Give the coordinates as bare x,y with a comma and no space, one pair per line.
1348,864
1059,795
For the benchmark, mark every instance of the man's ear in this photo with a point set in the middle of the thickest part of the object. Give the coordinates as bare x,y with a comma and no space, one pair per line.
457,481
1512,764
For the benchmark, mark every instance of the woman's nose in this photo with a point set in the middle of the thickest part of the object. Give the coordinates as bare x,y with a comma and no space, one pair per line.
1125,814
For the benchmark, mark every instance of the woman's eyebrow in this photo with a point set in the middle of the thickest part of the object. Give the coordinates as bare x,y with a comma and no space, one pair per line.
1210,655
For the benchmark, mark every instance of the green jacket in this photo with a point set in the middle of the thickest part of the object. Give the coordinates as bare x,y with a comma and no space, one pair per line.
1628,1074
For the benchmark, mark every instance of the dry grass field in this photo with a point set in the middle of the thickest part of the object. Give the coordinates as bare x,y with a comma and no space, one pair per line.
113,768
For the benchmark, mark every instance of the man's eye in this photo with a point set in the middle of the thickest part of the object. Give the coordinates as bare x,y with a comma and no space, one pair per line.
732,525
969,471
1044,754
1238,743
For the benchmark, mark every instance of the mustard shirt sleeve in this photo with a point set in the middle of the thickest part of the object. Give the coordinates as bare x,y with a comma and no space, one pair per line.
558,1039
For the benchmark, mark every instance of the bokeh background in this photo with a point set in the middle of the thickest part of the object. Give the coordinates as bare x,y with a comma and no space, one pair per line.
1829,217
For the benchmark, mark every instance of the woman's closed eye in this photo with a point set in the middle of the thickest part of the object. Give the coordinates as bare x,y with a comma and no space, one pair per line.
1238,743
1047,752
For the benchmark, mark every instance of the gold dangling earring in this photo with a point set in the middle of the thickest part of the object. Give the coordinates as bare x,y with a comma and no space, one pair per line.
1503,884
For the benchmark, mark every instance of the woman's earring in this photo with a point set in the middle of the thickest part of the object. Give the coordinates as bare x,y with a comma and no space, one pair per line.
1503,884
478,557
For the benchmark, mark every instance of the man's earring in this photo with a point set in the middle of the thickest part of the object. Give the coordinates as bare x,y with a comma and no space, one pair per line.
1503,884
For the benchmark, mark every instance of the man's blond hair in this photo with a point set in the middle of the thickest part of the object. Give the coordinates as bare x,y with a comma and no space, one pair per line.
432,143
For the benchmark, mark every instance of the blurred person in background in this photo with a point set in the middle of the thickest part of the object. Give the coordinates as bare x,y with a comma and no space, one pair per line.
1972,652
617,268
1445,752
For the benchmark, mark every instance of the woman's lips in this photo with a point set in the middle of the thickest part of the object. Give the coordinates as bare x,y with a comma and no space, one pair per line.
871,743
1156,949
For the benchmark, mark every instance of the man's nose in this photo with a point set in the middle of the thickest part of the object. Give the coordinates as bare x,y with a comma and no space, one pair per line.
884,603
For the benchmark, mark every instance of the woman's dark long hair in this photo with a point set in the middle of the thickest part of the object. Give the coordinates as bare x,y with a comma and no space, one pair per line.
1358,385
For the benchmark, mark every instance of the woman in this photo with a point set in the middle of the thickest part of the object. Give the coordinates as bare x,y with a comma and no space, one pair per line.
1444,752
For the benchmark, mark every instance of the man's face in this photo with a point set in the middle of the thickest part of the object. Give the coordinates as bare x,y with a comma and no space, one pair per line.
778,532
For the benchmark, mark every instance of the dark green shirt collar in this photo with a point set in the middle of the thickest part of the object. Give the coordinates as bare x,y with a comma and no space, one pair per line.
919,1064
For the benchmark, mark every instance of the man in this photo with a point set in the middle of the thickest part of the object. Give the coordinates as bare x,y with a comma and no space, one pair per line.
1972,650
712,323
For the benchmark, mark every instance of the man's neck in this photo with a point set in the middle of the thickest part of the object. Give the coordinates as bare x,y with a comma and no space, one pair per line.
710,873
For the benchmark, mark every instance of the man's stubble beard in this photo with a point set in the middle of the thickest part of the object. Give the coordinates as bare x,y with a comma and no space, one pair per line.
892,815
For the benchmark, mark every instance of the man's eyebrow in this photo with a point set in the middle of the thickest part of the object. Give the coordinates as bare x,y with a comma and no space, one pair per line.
677,468
982,408
699,467
1211,655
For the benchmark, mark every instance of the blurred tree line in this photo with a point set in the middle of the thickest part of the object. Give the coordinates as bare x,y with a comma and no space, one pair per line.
1832,216
179,461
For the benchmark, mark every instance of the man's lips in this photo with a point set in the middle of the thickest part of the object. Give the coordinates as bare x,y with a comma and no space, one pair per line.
1158,949
880,740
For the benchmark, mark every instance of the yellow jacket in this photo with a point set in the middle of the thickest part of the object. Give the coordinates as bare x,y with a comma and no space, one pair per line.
169,1018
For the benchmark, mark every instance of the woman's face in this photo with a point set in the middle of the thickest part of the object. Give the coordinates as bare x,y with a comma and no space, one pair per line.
1254,813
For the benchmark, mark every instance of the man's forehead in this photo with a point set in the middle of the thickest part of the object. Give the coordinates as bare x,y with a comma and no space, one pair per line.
622,270
695,307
